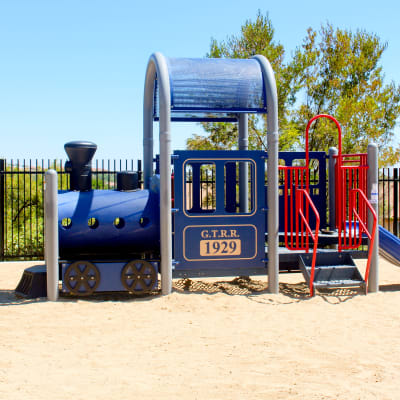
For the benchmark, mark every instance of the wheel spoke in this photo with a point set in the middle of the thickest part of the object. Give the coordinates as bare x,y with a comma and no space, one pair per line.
142,269
142,283
85,283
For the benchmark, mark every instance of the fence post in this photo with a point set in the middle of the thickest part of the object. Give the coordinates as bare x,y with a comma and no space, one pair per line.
51,234
372,194
2,206
332,152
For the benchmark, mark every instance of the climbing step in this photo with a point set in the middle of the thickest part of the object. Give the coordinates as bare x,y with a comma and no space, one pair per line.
331,270
33,282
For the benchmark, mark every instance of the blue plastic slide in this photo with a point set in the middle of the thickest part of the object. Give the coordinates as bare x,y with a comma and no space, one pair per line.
389,245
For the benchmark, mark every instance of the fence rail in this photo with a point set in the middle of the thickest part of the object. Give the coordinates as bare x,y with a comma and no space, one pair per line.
389,196
21,200
22,195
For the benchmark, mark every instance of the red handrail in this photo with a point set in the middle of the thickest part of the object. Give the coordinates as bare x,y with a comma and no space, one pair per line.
362,228
305,223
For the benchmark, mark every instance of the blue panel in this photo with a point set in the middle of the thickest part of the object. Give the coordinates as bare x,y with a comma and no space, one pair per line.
204,89
216,236
110,275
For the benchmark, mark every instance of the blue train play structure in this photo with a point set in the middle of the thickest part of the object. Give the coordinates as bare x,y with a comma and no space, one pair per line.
213,213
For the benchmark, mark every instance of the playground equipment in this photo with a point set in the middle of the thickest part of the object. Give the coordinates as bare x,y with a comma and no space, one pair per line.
231,211
351,204
389,245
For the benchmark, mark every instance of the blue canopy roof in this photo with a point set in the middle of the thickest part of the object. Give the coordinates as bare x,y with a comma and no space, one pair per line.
213,89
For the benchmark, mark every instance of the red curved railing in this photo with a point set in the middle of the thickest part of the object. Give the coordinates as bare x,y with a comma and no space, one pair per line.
337,126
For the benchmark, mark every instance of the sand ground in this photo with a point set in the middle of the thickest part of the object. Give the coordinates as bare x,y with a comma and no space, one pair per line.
209,339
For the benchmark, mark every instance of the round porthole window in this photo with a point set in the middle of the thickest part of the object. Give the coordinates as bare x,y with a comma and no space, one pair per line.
93,223
144,221
66,223
119,223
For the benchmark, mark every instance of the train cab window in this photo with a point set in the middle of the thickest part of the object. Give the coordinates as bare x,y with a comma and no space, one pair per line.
239,198
200,188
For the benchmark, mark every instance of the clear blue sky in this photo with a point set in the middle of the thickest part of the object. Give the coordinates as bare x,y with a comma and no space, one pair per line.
74,69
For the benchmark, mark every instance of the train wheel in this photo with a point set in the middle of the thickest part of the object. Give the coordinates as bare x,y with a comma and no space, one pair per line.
138,276
82,278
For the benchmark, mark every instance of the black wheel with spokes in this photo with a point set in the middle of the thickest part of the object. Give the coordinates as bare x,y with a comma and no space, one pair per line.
82,278
138,276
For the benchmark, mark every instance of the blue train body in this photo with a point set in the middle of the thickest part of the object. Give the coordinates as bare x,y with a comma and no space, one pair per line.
109,240
109,223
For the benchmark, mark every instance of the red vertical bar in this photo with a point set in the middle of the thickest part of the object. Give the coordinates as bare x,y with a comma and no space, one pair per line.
350,212
296,216
339,196
291,172
285,197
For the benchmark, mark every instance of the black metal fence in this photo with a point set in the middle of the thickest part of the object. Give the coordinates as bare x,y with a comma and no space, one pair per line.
389,196
21,200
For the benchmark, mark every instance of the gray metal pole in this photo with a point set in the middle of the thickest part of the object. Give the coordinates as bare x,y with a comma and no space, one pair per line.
243,167
333,151
272,174
51,233
157,66
148,123
372,194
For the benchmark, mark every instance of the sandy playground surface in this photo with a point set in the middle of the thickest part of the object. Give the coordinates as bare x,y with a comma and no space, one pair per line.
209,339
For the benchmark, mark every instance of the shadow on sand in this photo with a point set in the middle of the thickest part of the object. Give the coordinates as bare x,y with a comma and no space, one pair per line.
243,285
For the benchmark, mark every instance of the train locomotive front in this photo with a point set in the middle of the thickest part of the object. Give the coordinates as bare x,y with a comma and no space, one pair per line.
109,240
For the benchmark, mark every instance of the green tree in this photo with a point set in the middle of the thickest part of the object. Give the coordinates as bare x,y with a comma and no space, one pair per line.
341,76
255,38
336,72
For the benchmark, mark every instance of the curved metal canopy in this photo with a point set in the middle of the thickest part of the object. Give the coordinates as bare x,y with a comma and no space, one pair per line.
213,89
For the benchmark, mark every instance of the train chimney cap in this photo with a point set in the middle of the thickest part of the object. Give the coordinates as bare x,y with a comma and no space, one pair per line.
80,151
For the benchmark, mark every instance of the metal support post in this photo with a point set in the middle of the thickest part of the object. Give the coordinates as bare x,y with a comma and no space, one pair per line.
51,234
372,194
332,152
273,213
272,174
157,67
243,167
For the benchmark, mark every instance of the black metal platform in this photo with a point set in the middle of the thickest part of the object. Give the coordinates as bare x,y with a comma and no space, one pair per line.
332,270
289,260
